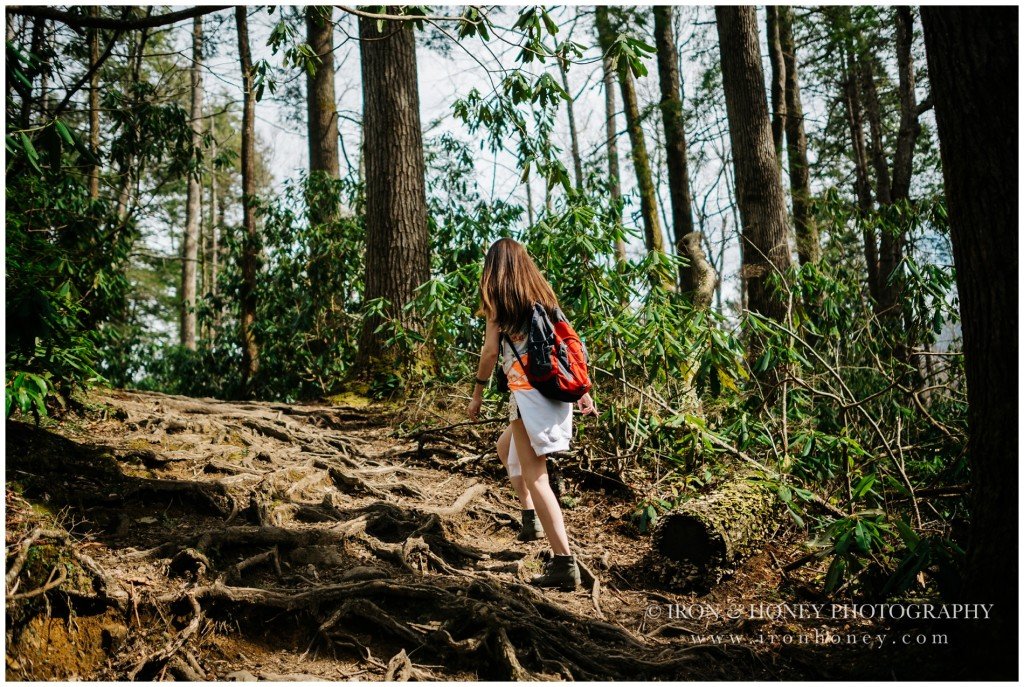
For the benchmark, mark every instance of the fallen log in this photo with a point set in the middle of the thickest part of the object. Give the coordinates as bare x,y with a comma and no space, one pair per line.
705,539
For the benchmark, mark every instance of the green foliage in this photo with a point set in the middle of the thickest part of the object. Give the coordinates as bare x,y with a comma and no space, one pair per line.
64,258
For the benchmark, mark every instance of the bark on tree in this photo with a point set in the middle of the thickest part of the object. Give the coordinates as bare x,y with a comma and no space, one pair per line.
910,127
706,538
890,252
214,215
250,239
855,119
972,64
808,244
397,241
36,46
641,162
194,200
778,76
322,117
11,35
886,259
612,143
321,108
693,277
129,172
94,106
700,278
759,192
574,141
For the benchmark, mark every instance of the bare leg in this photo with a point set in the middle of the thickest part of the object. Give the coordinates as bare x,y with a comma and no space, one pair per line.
518,483
535,473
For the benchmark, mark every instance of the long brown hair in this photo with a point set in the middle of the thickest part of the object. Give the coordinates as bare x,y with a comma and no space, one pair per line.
511,284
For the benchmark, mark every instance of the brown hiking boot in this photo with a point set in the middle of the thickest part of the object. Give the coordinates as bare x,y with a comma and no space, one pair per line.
531,529
561,572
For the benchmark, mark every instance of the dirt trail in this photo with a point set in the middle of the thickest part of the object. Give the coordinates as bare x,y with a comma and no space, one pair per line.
201,539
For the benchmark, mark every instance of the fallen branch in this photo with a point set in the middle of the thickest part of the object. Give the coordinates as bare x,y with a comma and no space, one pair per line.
50,584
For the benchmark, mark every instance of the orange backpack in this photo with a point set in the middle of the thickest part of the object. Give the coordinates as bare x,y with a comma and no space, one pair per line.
556,357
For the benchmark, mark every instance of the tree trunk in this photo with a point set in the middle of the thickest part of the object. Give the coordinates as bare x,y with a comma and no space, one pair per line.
808,244
94,106
11,35
865,66
574,141
128,171
194,202
891,245
250,239
397,240
36,46
214,259
910,127
778,78
641,162
699,278
693,276
321,107
862,183
759,192
612,142
706,538
972,63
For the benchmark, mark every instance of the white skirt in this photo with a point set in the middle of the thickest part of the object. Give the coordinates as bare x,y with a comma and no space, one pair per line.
548,422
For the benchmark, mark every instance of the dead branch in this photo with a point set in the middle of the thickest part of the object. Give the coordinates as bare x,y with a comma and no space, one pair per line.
50,584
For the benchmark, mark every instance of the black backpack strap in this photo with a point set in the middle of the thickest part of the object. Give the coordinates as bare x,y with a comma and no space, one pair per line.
504,337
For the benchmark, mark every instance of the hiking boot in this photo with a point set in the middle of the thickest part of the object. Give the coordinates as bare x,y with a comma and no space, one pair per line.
531,529
561,572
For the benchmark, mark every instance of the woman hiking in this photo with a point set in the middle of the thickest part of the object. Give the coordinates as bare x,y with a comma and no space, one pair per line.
509,287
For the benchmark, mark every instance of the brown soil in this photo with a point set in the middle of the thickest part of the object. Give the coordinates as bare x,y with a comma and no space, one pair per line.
165,537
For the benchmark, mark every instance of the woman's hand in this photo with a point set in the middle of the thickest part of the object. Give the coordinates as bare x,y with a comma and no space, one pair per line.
587,405
473,409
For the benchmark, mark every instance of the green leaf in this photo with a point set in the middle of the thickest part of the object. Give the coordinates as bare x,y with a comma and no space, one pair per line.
863,541
785,493
40,384
796,517
863,486
30,152
62,129
908,535
40,403
835,573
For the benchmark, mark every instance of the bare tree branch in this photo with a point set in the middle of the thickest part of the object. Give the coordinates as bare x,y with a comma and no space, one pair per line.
86,22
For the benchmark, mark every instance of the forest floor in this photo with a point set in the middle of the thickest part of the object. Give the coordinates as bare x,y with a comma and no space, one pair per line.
165,537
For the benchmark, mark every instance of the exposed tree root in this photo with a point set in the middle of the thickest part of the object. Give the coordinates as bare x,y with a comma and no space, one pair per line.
176,644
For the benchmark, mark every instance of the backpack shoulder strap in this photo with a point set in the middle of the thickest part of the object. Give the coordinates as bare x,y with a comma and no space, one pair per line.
503,337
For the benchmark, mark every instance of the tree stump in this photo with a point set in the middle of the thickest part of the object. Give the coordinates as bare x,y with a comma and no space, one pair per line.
704,539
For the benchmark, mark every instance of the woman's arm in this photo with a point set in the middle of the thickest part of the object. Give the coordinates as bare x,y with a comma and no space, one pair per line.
488,357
